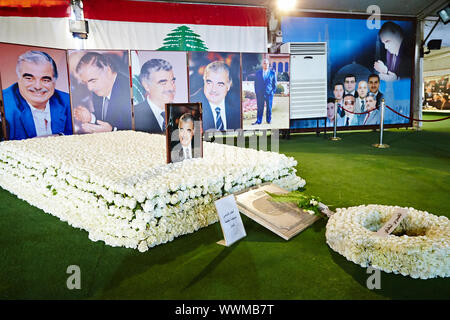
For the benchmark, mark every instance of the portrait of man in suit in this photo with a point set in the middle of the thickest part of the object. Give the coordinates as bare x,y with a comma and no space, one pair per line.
220,110
158,79
398,50
338,92
184,148
350,85
350,118
330,114
374,86
33,106
265,87
360,105
373,117
110,95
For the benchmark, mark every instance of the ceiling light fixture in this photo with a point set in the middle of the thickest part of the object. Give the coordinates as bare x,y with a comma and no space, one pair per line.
286,5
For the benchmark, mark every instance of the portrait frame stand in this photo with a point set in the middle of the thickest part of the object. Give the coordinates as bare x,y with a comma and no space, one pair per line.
334,137
381,145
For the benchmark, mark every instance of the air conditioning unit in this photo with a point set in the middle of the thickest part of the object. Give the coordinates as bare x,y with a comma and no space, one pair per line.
308,79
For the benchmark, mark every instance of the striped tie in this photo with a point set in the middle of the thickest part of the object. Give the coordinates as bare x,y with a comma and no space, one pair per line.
219,122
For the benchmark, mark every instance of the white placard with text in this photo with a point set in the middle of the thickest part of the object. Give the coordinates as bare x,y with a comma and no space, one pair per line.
230,220
393,222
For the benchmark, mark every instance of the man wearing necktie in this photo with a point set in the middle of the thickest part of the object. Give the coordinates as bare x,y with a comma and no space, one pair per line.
349,104
220,111
360,101
185,148
265,87
338,91
110,95
157,78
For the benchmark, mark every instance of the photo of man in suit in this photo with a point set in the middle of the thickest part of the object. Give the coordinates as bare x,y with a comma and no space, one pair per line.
265,87
373,117
338,92
374,86
330,114
158,79
186,131
33,107
110,95
350,118
398,50
220,110
360,105
350,85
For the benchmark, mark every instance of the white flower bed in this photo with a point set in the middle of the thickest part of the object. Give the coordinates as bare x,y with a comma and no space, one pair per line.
118,187
424,254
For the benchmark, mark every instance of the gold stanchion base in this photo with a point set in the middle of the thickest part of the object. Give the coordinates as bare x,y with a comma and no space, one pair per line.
335,138
381,146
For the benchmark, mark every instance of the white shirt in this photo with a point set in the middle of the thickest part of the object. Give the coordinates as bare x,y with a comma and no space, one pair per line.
187,152
350,118
157,112
42,120
222,113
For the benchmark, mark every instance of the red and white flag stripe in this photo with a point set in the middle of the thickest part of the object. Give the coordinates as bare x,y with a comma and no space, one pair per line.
138,25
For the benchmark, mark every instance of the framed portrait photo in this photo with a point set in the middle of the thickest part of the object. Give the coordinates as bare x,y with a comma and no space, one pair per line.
183,131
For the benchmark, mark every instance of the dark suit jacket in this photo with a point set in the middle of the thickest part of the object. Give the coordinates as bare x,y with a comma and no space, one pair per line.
145,120
232,112
265,87
402,65
119,108
379,97
19,118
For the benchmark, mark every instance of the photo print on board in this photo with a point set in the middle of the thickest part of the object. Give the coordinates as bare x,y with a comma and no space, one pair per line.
214,81
35,92
100,90
183,131
158,78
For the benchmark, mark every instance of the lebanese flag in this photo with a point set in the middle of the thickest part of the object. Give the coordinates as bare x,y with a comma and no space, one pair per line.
142,25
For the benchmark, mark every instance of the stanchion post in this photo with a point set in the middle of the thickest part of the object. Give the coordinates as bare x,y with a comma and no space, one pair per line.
381,145
334,137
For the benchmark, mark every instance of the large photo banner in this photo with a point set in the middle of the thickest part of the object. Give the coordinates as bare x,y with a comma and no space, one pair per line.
35,91
365,65
100,90
265,91
158,78
215,81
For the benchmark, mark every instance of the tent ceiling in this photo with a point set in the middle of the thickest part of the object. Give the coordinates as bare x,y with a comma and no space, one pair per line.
418,8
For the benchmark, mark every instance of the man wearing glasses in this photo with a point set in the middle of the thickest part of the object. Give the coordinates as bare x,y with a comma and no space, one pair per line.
349,106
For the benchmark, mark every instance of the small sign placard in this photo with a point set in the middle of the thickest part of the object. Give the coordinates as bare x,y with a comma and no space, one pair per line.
230,220
393,222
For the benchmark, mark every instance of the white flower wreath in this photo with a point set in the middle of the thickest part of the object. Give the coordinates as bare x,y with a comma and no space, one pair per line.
418,247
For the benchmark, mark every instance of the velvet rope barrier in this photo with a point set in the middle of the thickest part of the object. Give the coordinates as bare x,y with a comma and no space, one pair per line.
353,112
435,120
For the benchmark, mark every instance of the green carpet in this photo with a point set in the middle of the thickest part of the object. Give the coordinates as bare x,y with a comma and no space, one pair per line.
37,248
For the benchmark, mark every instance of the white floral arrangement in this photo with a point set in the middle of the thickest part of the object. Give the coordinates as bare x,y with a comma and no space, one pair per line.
418,247
118,187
